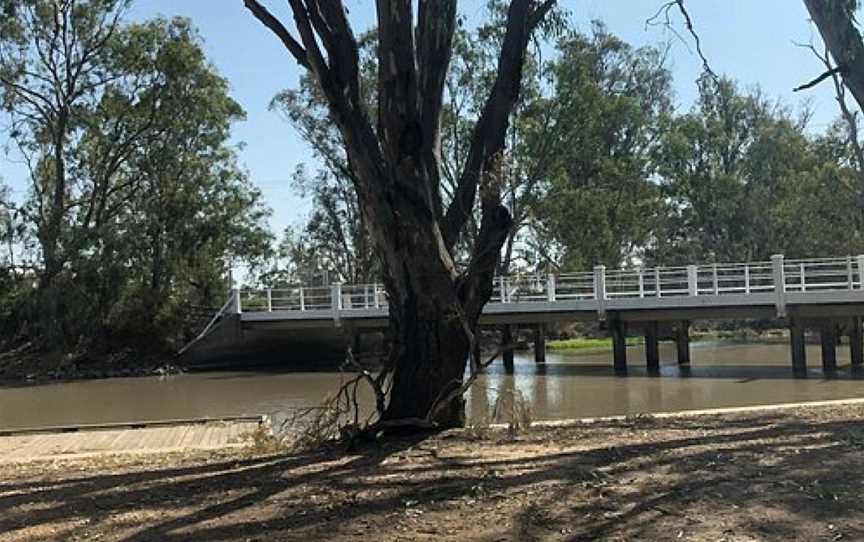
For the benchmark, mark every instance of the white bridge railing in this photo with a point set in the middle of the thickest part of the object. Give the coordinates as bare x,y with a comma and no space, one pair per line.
812,275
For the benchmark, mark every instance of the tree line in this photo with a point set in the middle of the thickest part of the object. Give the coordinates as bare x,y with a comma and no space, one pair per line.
601,168
136,206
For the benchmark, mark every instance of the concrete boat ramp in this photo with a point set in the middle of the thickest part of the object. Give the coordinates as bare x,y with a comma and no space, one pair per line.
163,436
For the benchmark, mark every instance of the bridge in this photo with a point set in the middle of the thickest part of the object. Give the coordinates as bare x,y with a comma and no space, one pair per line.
823,294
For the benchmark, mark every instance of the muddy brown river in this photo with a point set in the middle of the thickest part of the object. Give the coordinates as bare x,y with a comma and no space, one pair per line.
569,385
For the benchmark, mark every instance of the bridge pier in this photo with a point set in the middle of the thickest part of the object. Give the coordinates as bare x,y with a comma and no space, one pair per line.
856,342
652,347
828,336
682,342
507,345
540,343
799,348
618,330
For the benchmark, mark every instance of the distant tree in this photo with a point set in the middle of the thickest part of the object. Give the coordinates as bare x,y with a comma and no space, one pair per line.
596,200
724,167
136,203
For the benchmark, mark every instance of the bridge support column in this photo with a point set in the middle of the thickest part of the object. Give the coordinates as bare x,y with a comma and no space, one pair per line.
856,348
507,345
682,342
618,330
652,347
799,348
828,336
540,343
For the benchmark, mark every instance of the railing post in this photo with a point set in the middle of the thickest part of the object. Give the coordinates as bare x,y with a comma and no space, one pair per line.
779,277
849,272
365,296
803,281
336,300
269,300
236,307
860,259
375,294
641,282
600,288
692,280
550,288
716,280
657,286
302,300
502,289
747,279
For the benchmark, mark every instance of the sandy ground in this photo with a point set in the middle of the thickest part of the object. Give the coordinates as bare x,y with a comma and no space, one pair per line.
780,475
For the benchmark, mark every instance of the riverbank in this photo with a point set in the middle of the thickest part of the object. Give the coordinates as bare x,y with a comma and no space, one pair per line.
744,335
772,475
27,365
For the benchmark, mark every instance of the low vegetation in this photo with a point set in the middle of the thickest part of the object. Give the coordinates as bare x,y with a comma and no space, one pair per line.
586,344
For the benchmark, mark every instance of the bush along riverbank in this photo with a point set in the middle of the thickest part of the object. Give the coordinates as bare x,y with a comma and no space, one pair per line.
27,364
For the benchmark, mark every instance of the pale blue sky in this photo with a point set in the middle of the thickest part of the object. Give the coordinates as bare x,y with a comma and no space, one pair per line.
749,40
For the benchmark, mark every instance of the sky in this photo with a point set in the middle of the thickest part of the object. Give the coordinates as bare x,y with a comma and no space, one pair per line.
751,41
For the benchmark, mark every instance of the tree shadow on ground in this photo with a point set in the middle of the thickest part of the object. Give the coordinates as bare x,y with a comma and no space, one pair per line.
769,477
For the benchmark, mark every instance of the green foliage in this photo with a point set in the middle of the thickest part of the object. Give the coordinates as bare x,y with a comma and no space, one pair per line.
137,207
588,344
596,203
743,181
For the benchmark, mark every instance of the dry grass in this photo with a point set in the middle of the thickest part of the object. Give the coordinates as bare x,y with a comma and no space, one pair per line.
771,476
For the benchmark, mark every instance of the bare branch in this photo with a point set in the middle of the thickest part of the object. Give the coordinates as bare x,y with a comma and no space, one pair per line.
825,75
666,21
262,14
487,141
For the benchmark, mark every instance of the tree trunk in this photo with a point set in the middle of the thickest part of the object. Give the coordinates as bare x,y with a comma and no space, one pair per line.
429,358
434,309
836,23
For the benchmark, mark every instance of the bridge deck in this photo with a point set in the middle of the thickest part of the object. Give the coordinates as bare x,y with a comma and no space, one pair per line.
761,289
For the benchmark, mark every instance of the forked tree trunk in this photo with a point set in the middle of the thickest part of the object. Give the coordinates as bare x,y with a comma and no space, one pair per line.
434,308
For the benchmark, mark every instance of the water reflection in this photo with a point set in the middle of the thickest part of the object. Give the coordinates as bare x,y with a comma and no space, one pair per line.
568,385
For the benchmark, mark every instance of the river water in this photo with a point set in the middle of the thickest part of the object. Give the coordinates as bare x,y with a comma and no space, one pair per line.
569,385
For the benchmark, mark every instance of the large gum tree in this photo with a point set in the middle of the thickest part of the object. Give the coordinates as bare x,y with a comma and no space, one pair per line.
434,303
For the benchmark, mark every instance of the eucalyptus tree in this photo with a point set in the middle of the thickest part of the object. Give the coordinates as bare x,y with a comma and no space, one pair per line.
597,127
434,307
55,65
725,169
136,202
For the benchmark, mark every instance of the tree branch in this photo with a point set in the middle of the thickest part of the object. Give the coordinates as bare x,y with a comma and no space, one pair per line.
688,23
262,14
487,141
828,73
435,27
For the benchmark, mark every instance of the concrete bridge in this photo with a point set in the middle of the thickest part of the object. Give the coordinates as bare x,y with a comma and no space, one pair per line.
823,294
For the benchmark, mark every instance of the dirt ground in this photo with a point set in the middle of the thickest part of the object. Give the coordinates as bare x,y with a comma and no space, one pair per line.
781,475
